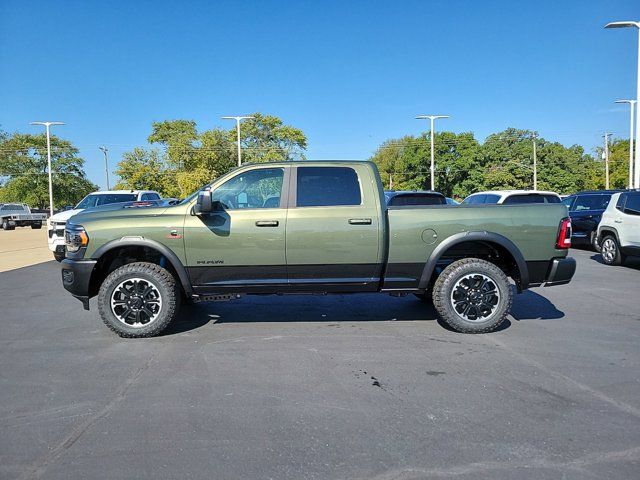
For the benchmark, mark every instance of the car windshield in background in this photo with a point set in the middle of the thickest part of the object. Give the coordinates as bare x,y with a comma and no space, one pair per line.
531,198
591,202
91,201
481,198
14,207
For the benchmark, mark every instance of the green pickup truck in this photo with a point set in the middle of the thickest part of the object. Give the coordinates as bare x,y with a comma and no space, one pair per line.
311,227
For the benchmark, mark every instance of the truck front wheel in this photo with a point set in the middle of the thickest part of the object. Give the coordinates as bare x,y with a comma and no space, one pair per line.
139,300
472,296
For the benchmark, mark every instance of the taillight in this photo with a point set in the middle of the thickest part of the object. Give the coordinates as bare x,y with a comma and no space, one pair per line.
564,234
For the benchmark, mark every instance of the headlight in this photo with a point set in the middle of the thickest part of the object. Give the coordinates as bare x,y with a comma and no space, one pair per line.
75,237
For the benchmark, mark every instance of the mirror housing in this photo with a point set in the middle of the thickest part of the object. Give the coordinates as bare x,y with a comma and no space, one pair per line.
203,203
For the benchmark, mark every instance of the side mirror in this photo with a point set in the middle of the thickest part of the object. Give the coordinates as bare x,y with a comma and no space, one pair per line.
203,204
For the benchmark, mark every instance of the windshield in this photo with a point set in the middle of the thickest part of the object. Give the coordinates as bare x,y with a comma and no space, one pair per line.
95,200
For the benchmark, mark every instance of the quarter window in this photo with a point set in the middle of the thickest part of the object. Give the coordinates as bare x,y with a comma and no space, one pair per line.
632,206
259,188
327,186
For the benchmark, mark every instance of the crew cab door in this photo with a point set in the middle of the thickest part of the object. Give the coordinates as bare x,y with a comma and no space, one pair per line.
241,245
628,224
333,229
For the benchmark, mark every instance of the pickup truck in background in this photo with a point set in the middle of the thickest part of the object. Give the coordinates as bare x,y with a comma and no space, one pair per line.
311,227
14,215
96,199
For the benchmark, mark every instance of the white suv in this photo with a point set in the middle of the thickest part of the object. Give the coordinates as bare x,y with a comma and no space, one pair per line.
619,229
512,197
58,221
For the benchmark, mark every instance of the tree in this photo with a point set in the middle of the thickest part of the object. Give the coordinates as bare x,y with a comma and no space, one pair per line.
266,138
24,176
141,169
404,163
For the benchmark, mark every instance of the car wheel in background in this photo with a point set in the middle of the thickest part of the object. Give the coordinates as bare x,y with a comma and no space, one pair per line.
610,251
595,244
472,296
6,225
139,300
59,256
36,226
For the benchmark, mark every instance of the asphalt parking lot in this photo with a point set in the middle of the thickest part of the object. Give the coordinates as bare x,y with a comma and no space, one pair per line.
359,386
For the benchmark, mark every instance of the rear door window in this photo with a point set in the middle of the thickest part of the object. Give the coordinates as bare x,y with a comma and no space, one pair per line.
327,186
569,202
491,198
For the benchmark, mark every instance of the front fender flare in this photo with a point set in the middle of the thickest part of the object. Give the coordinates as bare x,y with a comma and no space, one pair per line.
171,257
482,236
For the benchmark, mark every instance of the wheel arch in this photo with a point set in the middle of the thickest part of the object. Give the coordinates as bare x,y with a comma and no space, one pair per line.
111,250
491,239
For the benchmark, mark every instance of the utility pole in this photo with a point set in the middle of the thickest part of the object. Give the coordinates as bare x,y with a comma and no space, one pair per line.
535,163
238,119
47,125
106,163
433,168
632,104
630,24
606,160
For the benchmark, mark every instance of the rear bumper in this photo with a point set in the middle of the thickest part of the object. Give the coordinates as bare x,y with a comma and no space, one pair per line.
76,277
561,271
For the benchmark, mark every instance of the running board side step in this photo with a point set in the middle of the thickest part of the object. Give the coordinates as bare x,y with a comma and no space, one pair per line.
223,297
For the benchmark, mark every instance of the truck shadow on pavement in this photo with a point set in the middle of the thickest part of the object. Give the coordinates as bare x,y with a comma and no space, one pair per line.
342,309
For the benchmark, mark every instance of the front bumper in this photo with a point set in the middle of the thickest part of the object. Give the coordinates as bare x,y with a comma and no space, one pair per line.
561,271
76,278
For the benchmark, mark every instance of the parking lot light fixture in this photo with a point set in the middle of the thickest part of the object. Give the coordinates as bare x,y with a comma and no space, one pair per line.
626,24
432,169
47,125
238,119
632,104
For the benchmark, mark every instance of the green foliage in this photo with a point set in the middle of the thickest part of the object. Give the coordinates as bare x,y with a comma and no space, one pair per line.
503,161
266,138
24,176
191,159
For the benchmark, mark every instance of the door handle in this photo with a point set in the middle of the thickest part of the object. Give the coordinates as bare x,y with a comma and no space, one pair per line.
267,223
360,221
617,220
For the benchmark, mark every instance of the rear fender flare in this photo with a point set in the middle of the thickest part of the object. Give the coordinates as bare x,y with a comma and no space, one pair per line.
483,236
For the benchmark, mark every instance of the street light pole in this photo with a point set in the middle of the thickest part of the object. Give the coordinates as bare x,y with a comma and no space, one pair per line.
106,163
535,163
636,174
432,169
47,125
632,104
238,119
606,160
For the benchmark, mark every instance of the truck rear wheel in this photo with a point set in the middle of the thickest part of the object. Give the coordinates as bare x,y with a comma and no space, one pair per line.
139,300
472,296
36,226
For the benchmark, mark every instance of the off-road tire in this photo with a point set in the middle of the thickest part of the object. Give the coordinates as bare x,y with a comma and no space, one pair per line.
59,256
161,279
36,226
448,280
617,257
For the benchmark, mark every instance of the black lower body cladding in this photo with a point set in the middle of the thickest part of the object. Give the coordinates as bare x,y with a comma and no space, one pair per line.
76,277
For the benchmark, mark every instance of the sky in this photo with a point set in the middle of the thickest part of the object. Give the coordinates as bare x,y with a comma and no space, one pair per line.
350,74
